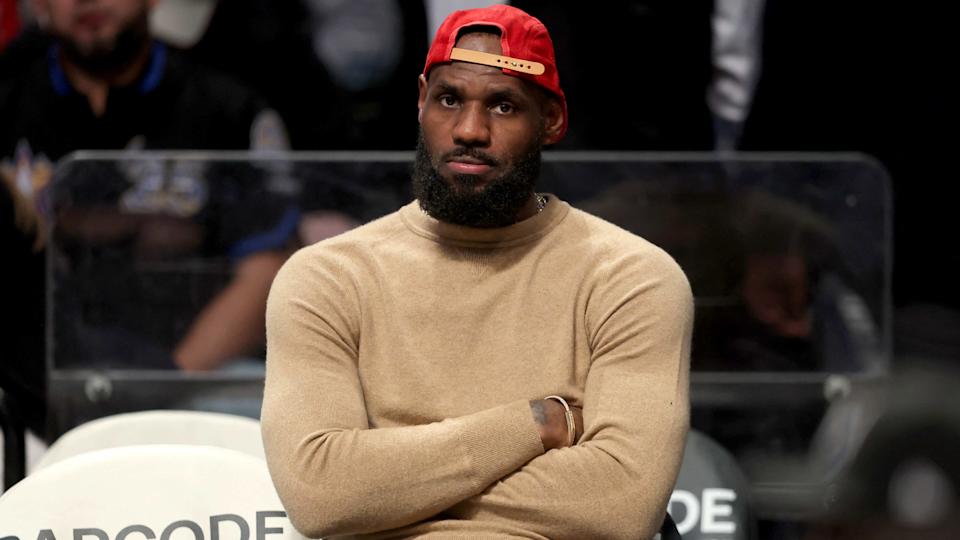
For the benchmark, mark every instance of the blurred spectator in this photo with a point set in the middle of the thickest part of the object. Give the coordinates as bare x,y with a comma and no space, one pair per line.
789,303
102,82
346,89
143,244
874,77
736,64
334,69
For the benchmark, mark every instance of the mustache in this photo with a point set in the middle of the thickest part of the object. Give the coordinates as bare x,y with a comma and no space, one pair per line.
466,151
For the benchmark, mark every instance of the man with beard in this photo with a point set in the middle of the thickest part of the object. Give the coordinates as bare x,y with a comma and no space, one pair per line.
105,83
487,361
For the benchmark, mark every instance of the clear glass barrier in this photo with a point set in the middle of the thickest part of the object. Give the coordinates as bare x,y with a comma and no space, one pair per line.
788,256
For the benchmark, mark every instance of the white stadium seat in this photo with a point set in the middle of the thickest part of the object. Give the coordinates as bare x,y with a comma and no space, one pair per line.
169,492
158,427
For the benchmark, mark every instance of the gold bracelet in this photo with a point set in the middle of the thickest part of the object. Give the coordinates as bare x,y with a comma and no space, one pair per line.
571,423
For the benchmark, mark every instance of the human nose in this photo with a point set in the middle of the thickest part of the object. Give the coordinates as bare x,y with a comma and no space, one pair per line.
472,127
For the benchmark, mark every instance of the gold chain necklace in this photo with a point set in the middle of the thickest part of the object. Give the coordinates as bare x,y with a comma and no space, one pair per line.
541,202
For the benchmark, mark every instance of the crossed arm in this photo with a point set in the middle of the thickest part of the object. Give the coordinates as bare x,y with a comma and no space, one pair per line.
495,464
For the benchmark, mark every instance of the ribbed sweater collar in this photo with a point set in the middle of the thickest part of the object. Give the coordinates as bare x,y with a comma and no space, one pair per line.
525,231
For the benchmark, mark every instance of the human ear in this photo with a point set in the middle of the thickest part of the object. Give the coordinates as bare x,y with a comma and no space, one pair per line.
552,120
422,84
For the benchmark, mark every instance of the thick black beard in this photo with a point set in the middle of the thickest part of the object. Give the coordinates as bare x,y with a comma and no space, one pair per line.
497,205
105,59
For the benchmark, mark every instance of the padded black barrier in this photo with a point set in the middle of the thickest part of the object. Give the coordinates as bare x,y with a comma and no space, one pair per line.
14,447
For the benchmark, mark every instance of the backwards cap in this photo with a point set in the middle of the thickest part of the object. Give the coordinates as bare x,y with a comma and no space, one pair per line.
526,44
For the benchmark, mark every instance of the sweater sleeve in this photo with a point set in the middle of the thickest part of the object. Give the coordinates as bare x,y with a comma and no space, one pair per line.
616,482
336,476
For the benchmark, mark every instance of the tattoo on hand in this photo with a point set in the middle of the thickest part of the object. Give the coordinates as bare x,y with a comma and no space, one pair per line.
539,412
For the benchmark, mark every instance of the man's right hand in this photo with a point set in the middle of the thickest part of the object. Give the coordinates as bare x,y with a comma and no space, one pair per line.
552,422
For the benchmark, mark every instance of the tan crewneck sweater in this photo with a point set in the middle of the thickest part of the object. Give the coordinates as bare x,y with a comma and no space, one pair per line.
402,357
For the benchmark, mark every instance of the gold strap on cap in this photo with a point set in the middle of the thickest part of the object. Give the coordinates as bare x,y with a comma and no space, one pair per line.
495,60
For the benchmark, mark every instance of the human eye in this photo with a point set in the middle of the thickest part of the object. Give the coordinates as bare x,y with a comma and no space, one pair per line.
504,108
447,100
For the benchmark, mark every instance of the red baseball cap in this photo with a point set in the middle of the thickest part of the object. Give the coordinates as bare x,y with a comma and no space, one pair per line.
526,44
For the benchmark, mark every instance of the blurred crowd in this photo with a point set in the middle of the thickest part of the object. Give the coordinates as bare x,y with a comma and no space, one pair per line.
749,75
